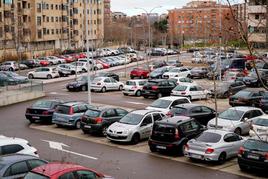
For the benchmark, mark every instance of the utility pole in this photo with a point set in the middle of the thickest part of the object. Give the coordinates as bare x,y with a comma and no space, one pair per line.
266,24
87,46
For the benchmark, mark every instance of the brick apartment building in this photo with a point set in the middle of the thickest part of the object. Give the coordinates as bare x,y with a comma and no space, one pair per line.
201,21
36,27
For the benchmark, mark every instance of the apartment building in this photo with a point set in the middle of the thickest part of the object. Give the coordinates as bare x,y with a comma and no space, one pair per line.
36,27
258,23
201,21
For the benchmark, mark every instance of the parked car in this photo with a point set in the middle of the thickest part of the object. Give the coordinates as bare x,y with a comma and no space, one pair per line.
157,64
253,155
12,145
108,74
164,104
99,119
259,126
9,66
80,84
42,62
64,171
55,60
225,88
183,81
158,88
246,97
172,134
176,63
199,72
252,79
103,84
177,72
42,110
69,69
16,77
104,65
158,73
200,113
43,72
69,114
191,91
18,165
5,80
214,145
133,127
264,102
30,63
139,73
236,119
134,87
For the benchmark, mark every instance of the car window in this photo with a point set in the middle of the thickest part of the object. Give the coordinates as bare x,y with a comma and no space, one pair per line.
206,109
197,110
182,80
35,163
231,138
148,119
247,115
82,174
76,109
83,108
121,112
11,149
256,113
107,80
193,88
198,88
109,113
157,116
69,175
39,70
141,83
189,126
179,101
256,95
18,168
164,83
171,83
113,80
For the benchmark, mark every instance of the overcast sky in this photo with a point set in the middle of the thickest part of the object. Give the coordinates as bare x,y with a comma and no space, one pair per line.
128,6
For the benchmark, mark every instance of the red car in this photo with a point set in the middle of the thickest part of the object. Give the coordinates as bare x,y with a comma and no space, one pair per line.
43,63
68,58
104,65
64,170
139,72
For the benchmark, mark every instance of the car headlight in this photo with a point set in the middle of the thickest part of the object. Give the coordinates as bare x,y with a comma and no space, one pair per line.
228,126
125,132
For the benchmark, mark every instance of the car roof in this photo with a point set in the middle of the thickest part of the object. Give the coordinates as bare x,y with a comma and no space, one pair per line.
11,140
51,169
175,120
188,105
73,103
172,98
218,131
143,111
11,158
138,80
244,108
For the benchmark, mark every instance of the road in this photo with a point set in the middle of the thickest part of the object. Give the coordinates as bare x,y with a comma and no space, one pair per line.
120,162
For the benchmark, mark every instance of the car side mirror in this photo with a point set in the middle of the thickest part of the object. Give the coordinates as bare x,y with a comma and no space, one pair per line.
144,124
203,128
244,119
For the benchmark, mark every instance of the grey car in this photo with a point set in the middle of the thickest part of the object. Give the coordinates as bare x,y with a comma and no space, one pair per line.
226,88
18,165
214,145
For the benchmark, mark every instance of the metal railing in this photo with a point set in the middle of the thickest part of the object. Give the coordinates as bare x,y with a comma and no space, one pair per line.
30,86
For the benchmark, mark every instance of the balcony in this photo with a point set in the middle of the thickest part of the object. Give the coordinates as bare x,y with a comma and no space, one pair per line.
257,37
257,23
256,9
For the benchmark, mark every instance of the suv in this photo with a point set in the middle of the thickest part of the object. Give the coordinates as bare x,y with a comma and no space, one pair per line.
69,114
172,134
98,120
158,88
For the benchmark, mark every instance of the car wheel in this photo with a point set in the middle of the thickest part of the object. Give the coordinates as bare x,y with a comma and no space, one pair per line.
10,69
222,158
237,131
78,124
83,88
103,89
31,120
226,94
104,131
146,97
135,138
49,76
85,131
190,98
188,76
50,63
131,77
125,94
72,72
159,95
120,88
84,70
242,167
30,76
152,149
142,77
59,125
138,93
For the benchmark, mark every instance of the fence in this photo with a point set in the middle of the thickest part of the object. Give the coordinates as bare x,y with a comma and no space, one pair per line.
30,86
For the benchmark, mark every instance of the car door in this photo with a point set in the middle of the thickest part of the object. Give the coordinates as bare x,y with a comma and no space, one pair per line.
109,116
108,84
193,92
255,98
17,170
38,73
171,86
115,84
200,92
245,125
208,114
146,126
163,88
197,114
229,145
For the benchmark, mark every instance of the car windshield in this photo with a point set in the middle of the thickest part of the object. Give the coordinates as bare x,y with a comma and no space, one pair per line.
161,103
243,94
32,175
92,113
256,145
131,118
43,104
131,83
180,88
97,79
178,110
231,114
261,122
209,137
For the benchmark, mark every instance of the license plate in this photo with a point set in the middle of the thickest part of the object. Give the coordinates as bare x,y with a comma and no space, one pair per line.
36,117
254,157
161,147
196,156
71,87
88,127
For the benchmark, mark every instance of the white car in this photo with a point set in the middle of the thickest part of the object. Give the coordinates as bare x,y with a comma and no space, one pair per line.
11,145
166,103
236,119
133,87
183,81
104,84
84,64
43,72
177,72
81,65
134,126
191,91
259,126
9,66
69,69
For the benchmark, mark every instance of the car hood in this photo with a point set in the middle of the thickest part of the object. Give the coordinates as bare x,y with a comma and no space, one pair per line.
120,127
224,122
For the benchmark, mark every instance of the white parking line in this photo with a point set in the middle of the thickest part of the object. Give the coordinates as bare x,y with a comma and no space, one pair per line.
56,93
131,102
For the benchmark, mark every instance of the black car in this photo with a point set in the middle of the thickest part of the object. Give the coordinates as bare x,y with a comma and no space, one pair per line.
42,110
99,119
172,134
246,97
199,72
264,102
30,63
253,155
226,88
108,74
200,113
158,73
159,64
80,84
158,88
252,79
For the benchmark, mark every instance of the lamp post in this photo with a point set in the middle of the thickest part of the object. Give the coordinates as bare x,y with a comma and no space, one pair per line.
149,28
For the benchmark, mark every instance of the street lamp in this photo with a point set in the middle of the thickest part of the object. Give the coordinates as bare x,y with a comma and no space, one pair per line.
149,27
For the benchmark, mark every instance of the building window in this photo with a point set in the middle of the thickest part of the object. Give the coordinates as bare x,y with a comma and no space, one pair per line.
47,19
52,19
39,34
51,6
257,16
39,20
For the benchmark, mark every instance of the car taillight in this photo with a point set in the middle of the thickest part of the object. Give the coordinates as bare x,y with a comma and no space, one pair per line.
169,114
71,111
154,87
186,147
177,135
266,156
45,113
98,83
241,150
98,120
209,151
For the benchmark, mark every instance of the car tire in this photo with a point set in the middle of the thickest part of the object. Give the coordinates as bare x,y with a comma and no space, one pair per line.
152,149
59,125
84,70
49,77
222,158
142,77
138,93
10,69
159,95
190,98
226,94
31,121
85,131
72,72
131,77
104,131
78,124
103,89
120,88
135,138
83,88
146,97
238,131
30,76
125,94
188,76
243,168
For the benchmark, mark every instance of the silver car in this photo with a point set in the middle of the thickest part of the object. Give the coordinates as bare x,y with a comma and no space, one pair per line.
133,87
214,145
135,126
236,119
